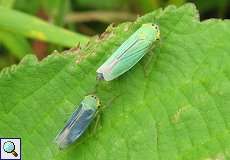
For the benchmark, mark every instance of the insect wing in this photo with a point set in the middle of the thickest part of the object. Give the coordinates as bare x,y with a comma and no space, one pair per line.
126,59
75,126
62,139
76,114
129,53
130,58
82,123
108,64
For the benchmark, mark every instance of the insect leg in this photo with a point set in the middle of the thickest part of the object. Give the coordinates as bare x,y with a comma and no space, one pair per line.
109,102
98,117
148,62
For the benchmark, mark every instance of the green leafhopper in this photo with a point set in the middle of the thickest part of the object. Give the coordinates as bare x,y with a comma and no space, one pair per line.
129,53
79,121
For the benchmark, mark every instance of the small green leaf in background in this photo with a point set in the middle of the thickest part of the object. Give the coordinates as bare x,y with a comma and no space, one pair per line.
102,4
7,3
16,44
172,105
33,27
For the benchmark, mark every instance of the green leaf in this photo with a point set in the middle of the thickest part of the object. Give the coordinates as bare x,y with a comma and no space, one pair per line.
7,3
33,27
174,104
16,44
102,4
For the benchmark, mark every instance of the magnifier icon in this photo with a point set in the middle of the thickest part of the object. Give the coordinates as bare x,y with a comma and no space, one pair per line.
9,147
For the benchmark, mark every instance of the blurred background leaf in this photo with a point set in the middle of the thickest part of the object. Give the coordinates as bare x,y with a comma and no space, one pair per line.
83,18
7,3
16,44
33,27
